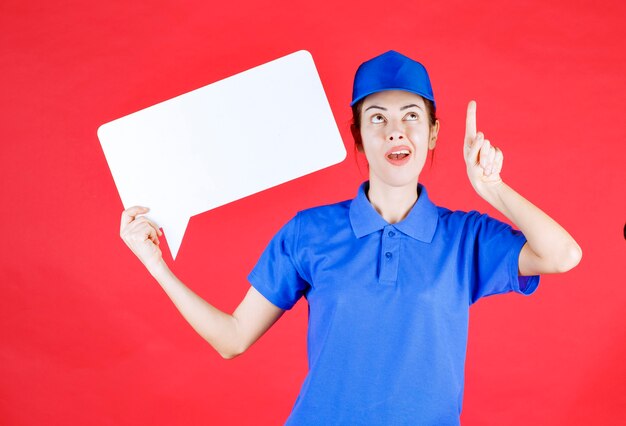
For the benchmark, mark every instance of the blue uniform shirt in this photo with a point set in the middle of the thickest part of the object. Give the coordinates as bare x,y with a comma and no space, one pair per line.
388,305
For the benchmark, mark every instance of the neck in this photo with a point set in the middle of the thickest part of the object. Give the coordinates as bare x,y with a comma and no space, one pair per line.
393,203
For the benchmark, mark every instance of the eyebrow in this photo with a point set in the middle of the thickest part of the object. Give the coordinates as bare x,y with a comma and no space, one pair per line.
401,109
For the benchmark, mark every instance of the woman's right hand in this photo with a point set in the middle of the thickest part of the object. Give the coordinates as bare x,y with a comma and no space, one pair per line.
141,235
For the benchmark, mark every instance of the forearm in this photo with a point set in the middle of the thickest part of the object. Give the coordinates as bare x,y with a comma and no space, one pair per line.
216,327
549,247
549,241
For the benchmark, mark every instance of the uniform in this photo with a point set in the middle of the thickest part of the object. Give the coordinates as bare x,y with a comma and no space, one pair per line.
388,305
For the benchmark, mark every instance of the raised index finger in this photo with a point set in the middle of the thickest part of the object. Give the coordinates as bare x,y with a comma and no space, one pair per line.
470,122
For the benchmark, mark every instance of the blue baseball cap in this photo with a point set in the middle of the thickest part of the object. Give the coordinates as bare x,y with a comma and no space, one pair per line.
391,71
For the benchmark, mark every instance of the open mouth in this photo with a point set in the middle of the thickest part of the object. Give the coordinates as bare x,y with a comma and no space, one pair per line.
399,155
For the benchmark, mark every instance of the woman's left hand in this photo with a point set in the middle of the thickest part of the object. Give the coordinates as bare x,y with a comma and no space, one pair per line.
483,161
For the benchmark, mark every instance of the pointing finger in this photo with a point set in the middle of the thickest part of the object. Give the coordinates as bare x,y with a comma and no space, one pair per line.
470,123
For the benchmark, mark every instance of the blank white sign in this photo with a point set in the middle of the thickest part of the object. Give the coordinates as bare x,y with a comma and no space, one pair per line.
222,142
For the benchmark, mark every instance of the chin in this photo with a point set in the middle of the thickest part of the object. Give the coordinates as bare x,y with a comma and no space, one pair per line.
396,177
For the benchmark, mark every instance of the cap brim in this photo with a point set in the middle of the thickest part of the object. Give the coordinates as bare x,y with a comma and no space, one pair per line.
430,98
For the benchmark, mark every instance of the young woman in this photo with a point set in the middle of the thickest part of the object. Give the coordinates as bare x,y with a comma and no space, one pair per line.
389,276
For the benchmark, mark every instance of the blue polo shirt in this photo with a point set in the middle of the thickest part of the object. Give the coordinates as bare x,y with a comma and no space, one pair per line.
388,305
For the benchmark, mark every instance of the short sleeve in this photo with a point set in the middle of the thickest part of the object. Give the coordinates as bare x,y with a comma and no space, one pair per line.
495,259
276,274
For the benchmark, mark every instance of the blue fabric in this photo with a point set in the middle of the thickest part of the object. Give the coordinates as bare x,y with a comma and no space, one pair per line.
391,71
388,306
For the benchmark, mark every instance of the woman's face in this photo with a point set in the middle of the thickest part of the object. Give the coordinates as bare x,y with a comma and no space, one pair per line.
396,136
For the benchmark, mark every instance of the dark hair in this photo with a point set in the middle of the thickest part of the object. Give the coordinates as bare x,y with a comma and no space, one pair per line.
355,125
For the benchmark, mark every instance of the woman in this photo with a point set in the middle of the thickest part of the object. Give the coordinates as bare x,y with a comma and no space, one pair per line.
389,276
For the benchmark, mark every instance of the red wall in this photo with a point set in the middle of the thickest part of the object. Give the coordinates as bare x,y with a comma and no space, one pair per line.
86,335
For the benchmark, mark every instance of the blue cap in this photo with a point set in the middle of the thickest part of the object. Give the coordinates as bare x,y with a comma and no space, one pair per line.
391,71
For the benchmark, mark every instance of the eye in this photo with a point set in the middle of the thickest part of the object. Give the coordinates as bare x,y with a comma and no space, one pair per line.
377,118
411,116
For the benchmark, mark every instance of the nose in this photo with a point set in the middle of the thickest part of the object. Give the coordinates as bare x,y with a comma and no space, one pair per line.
395,133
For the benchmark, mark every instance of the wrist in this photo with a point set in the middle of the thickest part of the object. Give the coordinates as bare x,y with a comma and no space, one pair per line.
159,269
490,191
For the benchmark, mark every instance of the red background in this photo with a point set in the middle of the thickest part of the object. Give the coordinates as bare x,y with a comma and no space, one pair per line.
88,337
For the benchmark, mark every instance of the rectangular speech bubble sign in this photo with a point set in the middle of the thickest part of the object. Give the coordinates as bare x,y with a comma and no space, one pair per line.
222,142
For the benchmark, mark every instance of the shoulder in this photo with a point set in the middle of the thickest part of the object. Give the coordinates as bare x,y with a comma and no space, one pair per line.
325,212
456,218
470,222
325,219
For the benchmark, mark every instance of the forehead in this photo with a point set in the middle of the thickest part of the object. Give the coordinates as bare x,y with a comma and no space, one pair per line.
392,98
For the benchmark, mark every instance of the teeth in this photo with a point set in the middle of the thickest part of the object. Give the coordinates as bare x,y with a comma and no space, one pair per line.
403,151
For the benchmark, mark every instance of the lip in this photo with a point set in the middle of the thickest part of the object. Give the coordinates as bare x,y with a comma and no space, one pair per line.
399,162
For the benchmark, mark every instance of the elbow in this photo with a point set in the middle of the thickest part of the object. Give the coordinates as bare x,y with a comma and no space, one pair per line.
233,347
232,353
570,258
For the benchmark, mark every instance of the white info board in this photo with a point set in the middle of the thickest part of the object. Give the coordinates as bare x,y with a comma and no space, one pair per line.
222,142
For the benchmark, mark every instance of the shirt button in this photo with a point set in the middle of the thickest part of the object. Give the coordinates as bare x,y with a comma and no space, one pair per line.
391,233
388,255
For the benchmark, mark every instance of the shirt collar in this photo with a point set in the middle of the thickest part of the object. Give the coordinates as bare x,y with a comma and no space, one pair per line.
419,224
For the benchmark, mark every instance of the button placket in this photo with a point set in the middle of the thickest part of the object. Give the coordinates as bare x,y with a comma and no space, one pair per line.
389,256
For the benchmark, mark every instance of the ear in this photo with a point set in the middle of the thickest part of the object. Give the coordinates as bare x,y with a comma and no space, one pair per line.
356,135
434,131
